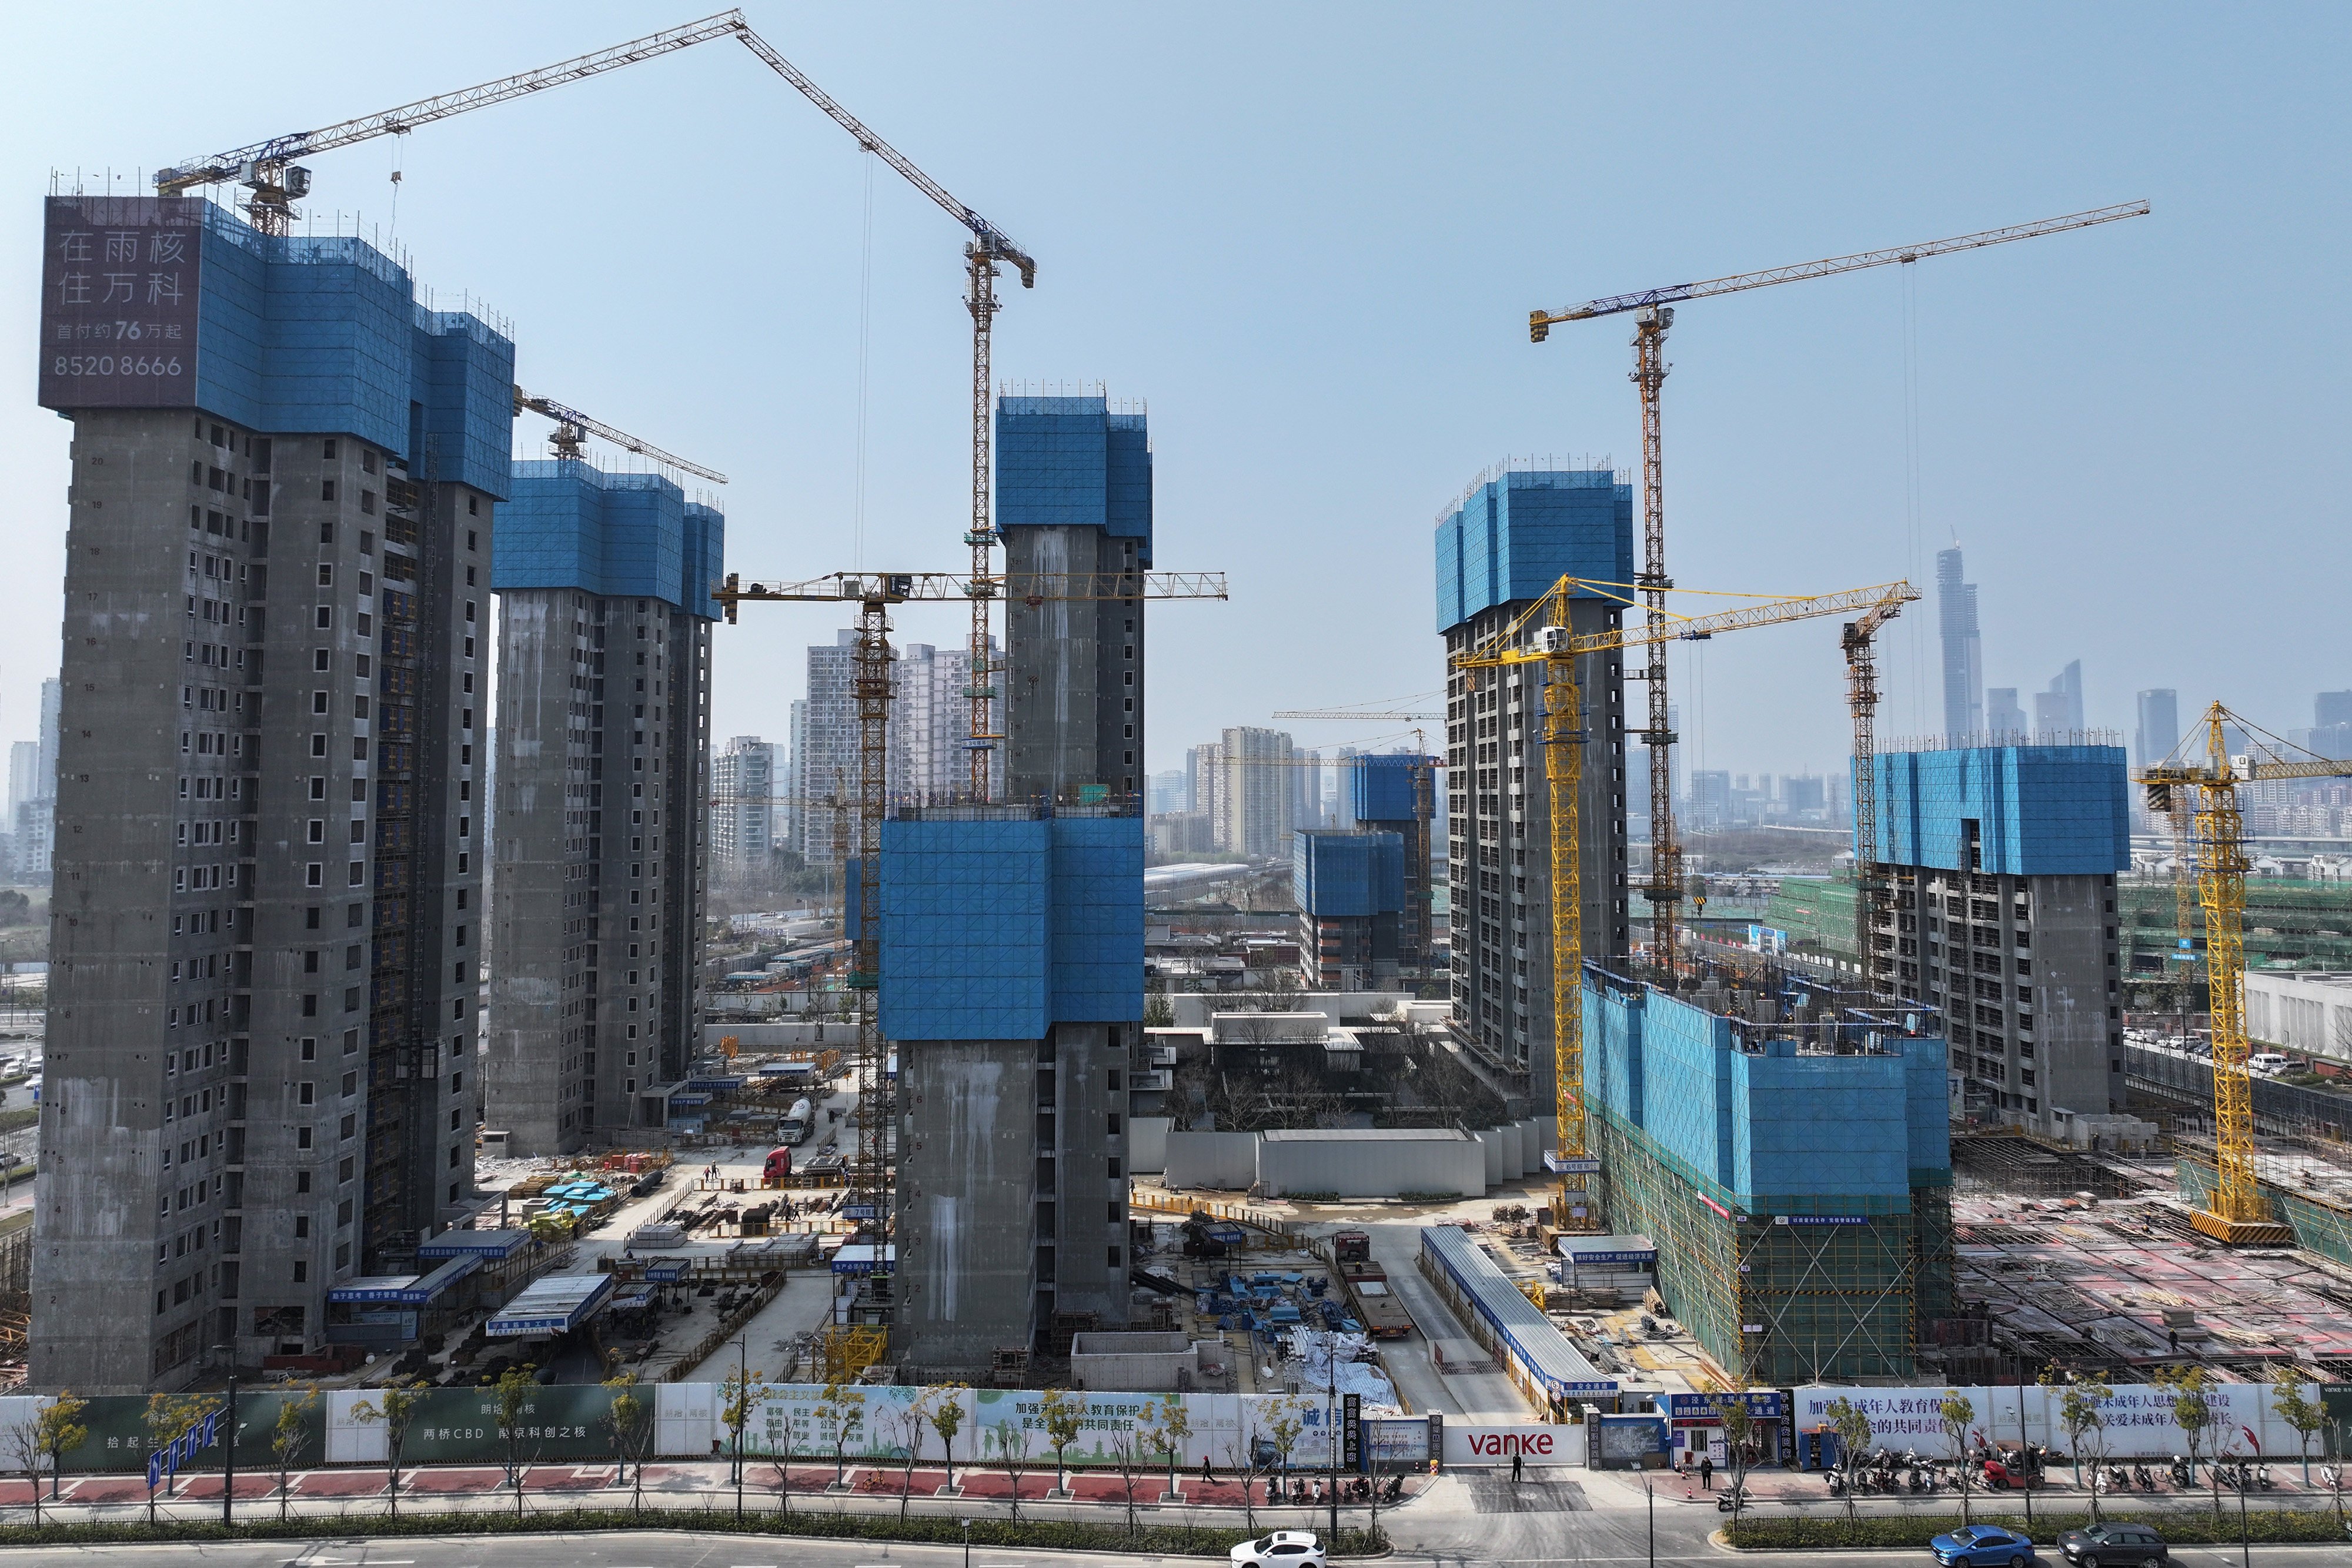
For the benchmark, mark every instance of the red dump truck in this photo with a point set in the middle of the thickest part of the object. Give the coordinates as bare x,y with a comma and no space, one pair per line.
1370,1298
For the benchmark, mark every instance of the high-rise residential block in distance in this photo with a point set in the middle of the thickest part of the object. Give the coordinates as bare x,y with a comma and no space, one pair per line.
2158,730
744,816
2003,861
603,583
1256,793
1349,885
1073,496
929,723
1956,618
265,937
2331,717
2058,712
795,806
1509,538
826,745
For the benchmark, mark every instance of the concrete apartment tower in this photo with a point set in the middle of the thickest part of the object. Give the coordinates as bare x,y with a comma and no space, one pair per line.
1509,540
1956,618
265,937
604,584
1073,495
2058,712
825,739
2003,861
744,816
1012,936
1256,792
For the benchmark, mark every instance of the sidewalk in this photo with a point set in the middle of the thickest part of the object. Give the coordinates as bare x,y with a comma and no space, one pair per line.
673,1485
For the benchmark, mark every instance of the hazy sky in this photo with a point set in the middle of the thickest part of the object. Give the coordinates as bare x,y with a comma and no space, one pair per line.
1309,238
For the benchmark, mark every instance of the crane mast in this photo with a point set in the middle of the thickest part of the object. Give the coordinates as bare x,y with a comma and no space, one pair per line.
1859,641
1653,316
2238,1214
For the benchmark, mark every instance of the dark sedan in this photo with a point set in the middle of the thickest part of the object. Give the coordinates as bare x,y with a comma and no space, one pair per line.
2109,1544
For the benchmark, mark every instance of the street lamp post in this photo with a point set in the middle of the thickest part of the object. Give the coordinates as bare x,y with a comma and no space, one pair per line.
1651,1493
228,1442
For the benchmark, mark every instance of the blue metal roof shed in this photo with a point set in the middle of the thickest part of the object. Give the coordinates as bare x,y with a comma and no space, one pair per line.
407,1289
556,1304
491,1246
1521,1331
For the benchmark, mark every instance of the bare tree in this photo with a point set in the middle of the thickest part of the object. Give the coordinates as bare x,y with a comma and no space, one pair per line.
1012,1442
1126,1452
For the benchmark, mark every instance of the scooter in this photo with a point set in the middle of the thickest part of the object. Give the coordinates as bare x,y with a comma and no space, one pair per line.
1731,1497
1393,1491
2117,1479
2145,1479
2184,1475
2262,1477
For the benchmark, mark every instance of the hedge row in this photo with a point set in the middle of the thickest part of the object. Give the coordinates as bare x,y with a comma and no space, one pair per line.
2183,1528
1035,1534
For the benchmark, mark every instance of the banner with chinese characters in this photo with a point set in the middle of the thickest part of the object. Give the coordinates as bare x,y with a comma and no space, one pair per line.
118,302
2136,1421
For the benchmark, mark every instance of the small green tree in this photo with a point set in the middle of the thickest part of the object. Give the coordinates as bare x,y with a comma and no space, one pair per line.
289,1436
2192,1412
52,1434
166,1418
1851,1424
396,1406
1957,1414
630,1419
947,1420
2305,1416
842,1406
1738,1439
1063,1415
1175,1426
2080,1412
510,1398
1286,1420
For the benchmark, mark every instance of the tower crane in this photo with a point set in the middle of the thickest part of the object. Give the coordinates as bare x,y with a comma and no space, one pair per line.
2208,788
273,181
1653,314
1541,634
1859,640
573,427
874,593
1348,712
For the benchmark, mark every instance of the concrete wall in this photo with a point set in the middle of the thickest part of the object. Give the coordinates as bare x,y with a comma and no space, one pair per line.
1147,1145
1374,1167
2309,1013
1221,1162
1142,1362
967,1194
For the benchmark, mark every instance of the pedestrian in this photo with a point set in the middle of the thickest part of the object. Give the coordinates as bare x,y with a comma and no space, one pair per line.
1706,1472
1518,1466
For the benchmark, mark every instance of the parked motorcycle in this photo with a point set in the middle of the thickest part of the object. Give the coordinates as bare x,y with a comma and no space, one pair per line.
2144,1478
1731,1497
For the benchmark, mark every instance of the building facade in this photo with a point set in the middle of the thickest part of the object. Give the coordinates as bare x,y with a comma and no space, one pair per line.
743,815
825,741
1350,887
1257,792
604,584
2058,712
1509,539
265,929
1073,504
2003,862
2158,730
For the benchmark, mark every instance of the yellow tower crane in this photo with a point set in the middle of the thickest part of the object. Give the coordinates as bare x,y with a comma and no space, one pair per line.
1541,634
1653,313
2238,1213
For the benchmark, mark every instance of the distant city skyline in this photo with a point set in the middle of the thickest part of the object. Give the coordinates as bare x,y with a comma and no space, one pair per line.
1313,407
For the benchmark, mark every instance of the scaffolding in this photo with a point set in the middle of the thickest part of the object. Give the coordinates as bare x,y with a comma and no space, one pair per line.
1830,1295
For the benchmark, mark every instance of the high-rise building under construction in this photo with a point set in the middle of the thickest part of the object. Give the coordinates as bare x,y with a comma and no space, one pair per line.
267,923
1013,933
1501,547
604,776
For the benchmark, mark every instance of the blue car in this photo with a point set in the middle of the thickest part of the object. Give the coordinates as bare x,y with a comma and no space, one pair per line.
1982,1546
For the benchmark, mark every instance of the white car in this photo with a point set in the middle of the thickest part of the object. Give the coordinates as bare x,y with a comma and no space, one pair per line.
1282,1549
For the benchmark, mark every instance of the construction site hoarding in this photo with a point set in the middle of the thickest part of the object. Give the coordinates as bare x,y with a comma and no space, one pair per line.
2136,1421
